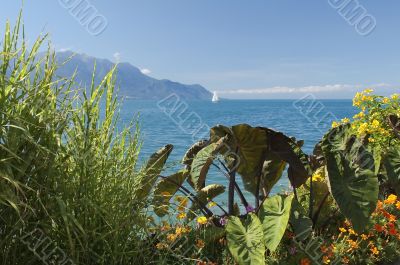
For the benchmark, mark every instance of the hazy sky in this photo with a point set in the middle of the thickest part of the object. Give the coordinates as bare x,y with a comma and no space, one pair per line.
243,49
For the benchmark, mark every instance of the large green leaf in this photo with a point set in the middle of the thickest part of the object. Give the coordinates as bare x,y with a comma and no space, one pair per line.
289,150
202,162
192,152
203,196
245,240
250,146
300,222
350,171
271,172
152,170
165,189
391,163
274,215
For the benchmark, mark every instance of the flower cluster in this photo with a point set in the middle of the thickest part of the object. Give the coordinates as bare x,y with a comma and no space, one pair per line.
371,121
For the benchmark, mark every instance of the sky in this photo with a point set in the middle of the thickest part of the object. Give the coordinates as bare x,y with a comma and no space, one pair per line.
241,49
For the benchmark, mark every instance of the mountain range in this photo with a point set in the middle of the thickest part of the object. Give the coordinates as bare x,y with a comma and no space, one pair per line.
132,83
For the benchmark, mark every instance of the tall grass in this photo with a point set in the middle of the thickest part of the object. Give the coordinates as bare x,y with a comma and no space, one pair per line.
65,170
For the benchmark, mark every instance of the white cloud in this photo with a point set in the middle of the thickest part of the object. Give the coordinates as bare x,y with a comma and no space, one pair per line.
304,89
145,71
117,57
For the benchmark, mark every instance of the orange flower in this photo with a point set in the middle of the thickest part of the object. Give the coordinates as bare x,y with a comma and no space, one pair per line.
305,261
364,236
391,199
392,218
379,205
352,232
200,243
379,228
374,250
353,244
398,205
345,260
324,249
326,260
392,229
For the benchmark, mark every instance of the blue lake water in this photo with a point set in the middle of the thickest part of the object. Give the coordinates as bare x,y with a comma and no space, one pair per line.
180,123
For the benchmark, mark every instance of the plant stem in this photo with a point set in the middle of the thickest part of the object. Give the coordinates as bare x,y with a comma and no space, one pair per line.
237,188
231,198
191,197
316,214
311,205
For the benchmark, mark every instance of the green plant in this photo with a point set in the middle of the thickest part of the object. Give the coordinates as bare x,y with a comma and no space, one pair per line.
65,169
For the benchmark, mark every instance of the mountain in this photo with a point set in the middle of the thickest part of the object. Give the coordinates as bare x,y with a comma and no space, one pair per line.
130,80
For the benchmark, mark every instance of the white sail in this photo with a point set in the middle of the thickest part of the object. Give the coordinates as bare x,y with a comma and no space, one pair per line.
215,97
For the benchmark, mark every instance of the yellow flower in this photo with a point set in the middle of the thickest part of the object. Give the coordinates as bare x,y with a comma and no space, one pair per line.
398,205
171,237
395,96
391,199
181,216
161,245
345,120
342,230
371,140
326,260
359,115
212,204
200,243
375,124
364,236
202,220
179,231
368,91
385,100
352,232
363,128
335,124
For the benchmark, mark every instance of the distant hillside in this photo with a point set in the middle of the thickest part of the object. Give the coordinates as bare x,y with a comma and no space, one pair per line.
130,80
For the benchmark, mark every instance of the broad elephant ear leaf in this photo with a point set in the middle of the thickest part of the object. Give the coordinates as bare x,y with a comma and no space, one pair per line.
351,178
300,222
165,189
394,122
152,170
271,172
203,196
288,150
274,215
391,162
245,240
192,152
245,145
202,162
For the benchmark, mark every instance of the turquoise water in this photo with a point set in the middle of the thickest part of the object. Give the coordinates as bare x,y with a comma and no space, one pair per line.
176,122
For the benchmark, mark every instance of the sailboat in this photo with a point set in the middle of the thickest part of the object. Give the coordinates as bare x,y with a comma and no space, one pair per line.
215,97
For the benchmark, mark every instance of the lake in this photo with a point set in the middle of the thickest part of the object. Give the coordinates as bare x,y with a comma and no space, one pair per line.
181,123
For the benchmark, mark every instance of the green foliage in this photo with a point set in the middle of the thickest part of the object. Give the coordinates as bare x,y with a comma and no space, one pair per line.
165,189
350,170
391,163
245,240
202,162
64,168
274,215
